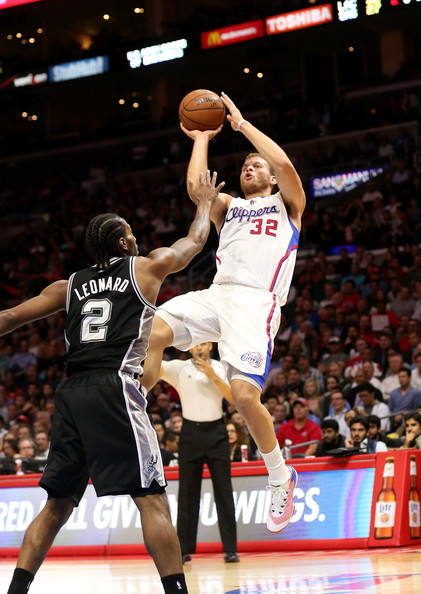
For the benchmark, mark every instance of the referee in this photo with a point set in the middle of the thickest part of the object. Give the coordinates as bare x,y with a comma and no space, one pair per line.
202,384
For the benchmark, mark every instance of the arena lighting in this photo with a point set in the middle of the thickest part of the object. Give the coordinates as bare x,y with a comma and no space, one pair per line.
246,70
157,53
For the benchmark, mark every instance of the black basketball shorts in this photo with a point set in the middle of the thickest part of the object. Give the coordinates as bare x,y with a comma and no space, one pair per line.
101,430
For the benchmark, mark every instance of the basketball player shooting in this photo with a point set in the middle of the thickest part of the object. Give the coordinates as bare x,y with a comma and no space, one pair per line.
258,240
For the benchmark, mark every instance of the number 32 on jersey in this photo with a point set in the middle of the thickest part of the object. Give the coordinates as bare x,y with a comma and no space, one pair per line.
268,227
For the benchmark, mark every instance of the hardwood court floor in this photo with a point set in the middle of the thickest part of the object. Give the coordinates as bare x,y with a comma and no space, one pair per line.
387,570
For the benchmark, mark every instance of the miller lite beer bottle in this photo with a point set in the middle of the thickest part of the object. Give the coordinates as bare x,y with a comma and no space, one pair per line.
386,503
414,502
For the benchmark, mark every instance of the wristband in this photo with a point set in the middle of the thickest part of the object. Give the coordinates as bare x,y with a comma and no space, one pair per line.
240,123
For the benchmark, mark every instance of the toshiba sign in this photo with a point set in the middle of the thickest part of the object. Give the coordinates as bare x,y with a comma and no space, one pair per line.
299,19
233,34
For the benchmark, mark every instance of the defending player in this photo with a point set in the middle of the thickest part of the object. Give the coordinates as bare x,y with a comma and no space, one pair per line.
100,427
258,239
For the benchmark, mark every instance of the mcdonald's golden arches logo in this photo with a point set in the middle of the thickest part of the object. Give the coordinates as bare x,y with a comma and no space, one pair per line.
214,38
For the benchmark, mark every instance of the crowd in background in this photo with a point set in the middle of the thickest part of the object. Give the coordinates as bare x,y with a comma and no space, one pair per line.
346,367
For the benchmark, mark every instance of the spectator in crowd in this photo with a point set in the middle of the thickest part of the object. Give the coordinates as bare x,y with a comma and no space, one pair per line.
279,415
405,399
10,448
371,406
27,448
169,451
391,380
295,383
308,372
332,438
4,403
22,359
312,395
336,354
160,430
375,432
381,350
359,437
43,444
412,439
237,437
300,429
416,372
339,403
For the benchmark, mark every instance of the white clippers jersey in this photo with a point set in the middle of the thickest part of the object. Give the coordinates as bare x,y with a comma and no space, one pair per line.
258,245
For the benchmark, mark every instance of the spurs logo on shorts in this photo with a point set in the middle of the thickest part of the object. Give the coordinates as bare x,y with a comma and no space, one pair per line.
150,464
255,359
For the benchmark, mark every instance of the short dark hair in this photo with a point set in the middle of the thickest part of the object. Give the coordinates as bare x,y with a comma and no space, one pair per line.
102,237
330,424
169,435
406,370
414,415
366,387
362,420
374,420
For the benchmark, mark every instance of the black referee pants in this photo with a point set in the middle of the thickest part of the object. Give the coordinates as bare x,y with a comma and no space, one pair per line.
204,443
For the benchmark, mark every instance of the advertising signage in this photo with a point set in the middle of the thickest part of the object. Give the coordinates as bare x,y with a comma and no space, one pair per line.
30,80
349,10
299,19
340,183
233,34
154,54
11,3
115,520
78,69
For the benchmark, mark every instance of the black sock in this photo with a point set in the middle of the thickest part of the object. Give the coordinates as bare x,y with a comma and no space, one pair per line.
175,583
21,581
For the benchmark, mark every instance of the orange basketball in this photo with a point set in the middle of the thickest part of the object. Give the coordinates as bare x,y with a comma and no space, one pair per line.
201,110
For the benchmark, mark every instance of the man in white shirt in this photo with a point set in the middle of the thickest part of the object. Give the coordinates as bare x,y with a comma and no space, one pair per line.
338,402
391,381
201,383
372,406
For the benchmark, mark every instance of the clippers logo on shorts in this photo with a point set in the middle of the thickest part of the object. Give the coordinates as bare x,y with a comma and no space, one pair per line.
255,359
179,586
150,464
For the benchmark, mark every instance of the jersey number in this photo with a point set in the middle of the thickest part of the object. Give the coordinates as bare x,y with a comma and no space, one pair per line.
97,314
270,229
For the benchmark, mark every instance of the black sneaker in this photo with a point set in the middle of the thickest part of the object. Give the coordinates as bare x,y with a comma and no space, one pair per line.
186,558
231,558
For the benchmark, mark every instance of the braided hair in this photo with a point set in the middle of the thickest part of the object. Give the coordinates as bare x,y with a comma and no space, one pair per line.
102,237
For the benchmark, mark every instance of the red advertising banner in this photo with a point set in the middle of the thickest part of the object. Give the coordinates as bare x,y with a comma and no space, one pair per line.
395,511
233,34
299,19
11,3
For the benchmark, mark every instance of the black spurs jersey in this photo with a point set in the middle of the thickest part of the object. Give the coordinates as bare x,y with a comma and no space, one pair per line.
108,319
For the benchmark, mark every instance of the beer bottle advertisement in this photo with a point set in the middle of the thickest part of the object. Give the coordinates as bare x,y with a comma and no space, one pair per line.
386,503
414,502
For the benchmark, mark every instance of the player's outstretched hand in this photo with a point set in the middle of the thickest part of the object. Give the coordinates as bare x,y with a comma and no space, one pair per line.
234,115
209,134
206,190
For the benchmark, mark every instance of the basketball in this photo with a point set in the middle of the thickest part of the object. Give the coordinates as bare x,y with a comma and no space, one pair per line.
201,110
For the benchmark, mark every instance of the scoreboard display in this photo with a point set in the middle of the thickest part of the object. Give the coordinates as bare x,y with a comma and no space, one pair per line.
349,10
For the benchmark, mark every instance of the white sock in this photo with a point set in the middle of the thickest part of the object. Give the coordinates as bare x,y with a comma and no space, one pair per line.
277,469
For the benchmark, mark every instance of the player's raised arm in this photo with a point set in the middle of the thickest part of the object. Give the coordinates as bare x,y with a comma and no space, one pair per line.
198,163
51,300
163,261
287,178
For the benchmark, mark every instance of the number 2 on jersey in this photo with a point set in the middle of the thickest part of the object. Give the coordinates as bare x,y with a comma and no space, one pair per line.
97,314
270,229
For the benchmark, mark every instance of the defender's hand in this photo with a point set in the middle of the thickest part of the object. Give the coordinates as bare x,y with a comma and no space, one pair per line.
206,191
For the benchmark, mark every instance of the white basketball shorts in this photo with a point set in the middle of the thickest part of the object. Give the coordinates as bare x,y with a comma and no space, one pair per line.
242,320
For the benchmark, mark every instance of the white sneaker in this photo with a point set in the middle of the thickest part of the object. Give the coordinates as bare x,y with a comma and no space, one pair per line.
281,506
